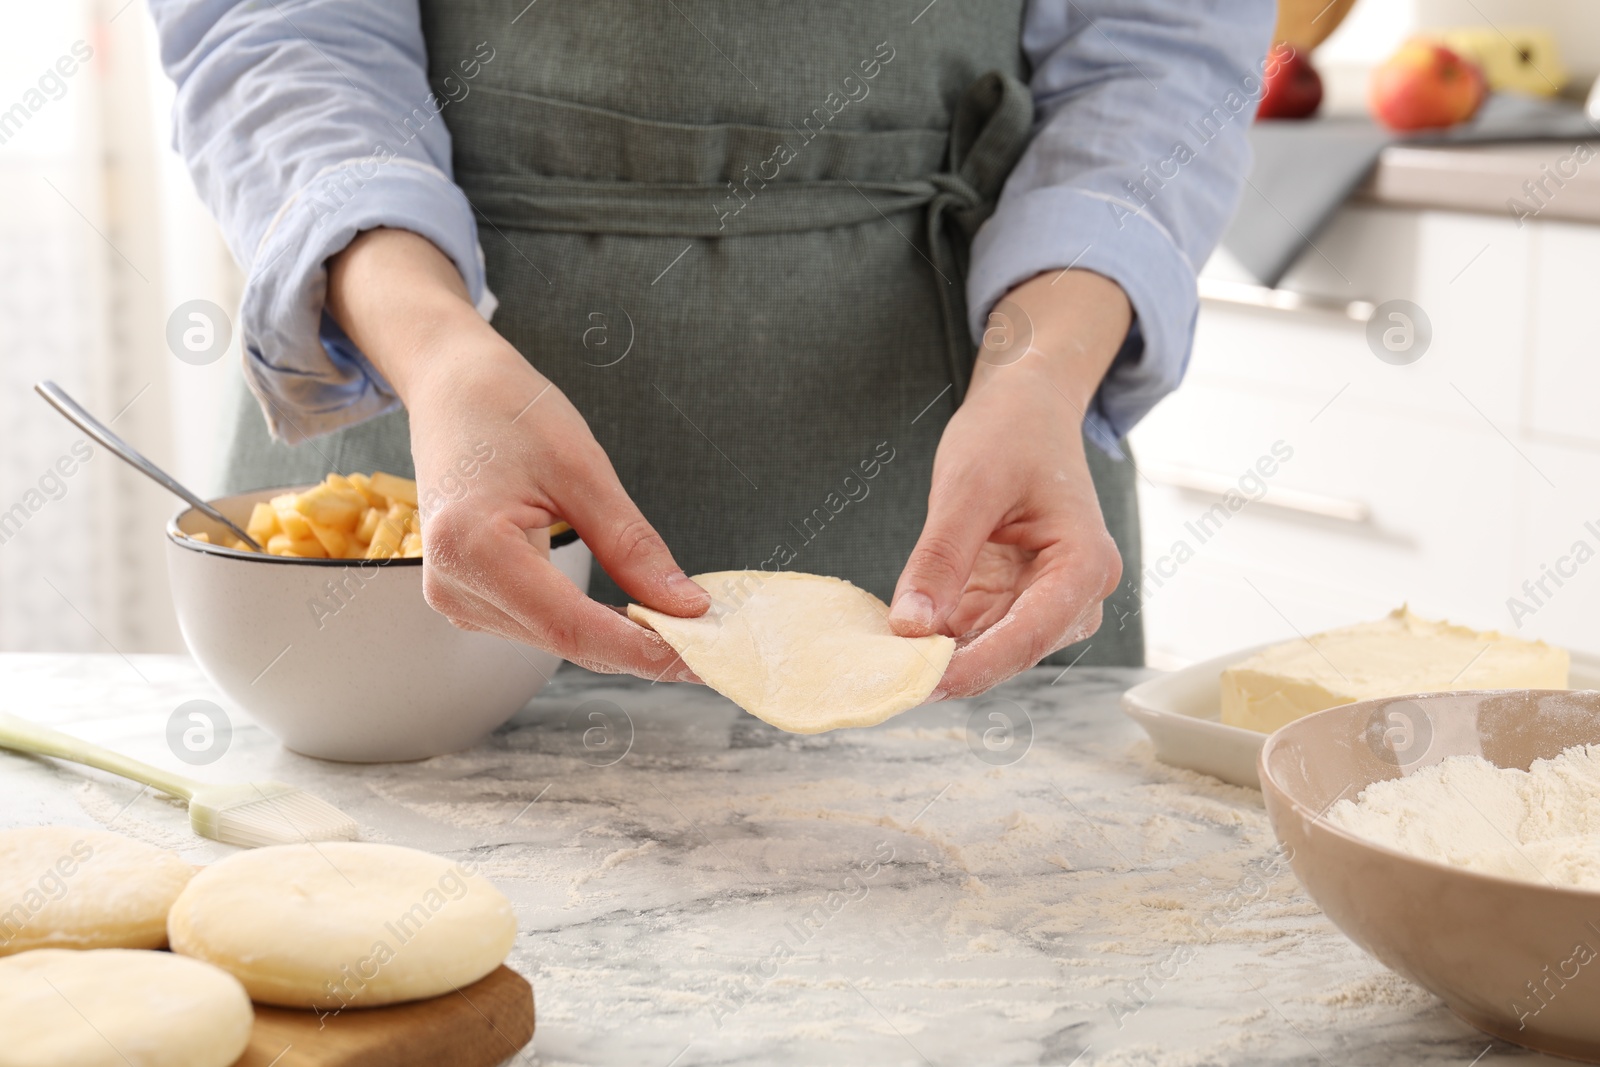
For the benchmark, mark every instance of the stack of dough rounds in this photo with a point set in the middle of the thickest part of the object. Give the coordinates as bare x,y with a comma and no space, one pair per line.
343,924
119,1007
67,887
804,652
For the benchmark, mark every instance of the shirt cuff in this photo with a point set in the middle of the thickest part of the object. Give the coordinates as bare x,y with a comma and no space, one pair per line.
1056,228
309,377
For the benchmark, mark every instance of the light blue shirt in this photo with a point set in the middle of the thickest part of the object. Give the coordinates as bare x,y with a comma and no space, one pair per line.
306,122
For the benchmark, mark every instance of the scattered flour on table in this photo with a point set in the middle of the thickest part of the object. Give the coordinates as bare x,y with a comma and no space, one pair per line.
140,814
1058,886
1542,824
1383,988
620,856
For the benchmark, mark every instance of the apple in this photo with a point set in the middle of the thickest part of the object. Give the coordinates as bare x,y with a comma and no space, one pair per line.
1426,85
1292,89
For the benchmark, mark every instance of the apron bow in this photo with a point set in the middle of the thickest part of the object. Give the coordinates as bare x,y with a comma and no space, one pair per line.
992,126
956,176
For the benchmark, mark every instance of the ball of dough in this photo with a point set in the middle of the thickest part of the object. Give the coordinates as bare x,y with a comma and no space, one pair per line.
67,887
343,924
113,1007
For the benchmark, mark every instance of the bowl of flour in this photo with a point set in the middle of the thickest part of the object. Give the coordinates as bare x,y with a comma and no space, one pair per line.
1456,838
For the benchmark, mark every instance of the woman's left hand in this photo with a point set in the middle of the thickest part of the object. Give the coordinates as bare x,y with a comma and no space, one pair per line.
1014,558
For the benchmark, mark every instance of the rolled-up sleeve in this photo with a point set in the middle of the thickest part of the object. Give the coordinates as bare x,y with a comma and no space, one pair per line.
304,123
1138,155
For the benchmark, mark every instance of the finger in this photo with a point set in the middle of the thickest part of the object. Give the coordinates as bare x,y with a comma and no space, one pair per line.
488,618
930,586
1063,606
539,538
497,565
628,547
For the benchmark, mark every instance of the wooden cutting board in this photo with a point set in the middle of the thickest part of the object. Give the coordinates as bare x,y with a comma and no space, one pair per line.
482,1025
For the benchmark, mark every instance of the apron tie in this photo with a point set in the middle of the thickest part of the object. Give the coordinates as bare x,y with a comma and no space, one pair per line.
961,175
992,127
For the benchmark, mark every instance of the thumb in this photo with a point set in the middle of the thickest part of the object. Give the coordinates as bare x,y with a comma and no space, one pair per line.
930,587
630,549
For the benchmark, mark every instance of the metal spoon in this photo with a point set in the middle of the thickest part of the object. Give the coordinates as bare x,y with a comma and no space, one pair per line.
92,426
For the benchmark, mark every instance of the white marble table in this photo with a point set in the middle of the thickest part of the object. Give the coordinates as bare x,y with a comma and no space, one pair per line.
720,892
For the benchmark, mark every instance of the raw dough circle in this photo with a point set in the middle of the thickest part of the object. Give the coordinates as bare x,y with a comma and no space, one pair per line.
343,924
112,1007
804,652
67,887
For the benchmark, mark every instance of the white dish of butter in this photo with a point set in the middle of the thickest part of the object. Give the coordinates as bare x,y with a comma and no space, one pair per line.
1392,656
1183,711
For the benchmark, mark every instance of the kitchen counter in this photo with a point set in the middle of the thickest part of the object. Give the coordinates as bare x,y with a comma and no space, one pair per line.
696,887
1481,178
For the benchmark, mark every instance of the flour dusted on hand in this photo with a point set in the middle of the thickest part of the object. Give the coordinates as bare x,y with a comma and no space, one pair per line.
803,652
1538,825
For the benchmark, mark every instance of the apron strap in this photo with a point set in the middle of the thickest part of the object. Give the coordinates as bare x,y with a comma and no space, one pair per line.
992,127
813,179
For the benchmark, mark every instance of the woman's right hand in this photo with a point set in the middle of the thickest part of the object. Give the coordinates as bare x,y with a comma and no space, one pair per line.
470,394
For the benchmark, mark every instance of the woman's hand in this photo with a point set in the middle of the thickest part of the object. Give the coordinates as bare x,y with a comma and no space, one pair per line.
1015,559
470,394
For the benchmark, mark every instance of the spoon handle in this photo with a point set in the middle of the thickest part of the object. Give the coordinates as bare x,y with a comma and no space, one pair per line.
58,399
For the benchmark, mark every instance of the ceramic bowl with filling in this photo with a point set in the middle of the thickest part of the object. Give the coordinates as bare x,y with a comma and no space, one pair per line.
1517,959
344,659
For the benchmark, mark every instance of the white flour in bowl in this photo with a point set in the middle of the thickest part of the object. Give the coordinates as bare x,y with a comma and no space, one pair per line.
1539,825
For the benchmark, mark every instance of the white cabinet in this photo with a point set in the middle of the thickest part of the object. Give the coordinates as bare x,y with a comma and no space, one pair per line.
1468,274
1564,398
1555,582
1443,483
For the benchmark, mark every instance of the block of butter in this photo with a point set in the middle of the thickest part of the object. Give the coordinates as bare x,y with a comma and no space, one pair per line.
1394,656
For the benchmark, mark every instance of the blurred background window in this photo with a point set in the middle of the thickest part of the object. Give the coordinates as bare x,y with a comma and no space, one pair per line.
101,235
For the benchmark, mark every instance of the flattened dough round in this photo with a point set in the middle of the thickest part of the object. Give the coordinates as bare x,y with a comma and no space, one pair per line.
67,887
804,652
343,924
113,1007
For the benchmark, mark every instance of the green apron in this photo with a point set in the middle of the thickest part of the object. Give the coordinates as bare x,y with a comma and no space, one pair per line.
735,235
